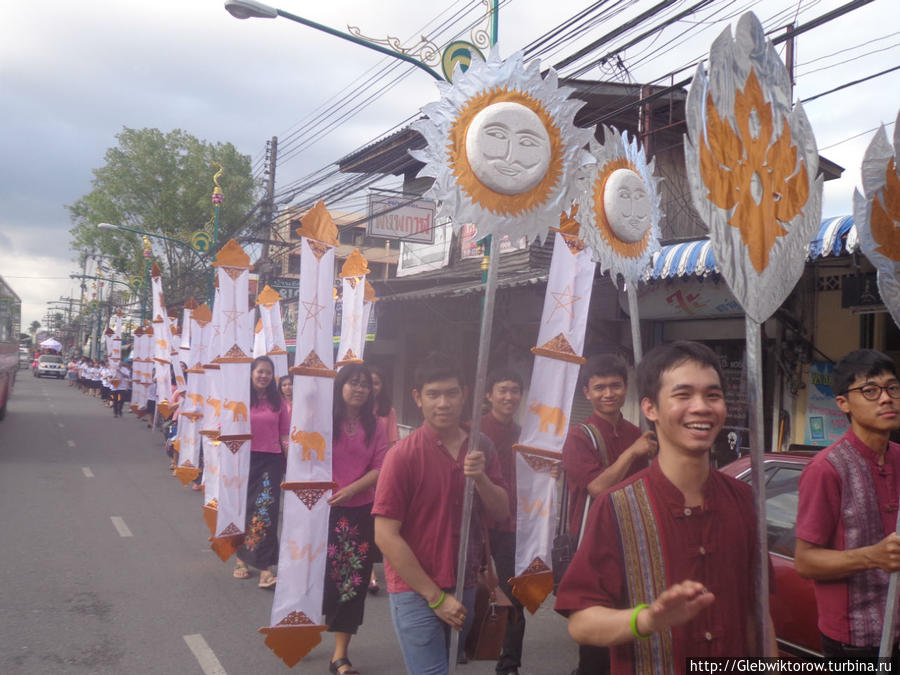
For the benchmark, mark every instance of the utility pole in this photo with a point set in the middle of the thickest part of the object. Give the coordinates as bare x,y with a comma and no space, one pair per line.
269,211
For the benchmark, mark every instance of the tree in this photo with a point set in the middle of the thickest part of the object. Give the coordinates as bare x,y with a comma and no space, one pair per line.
162,183
33,329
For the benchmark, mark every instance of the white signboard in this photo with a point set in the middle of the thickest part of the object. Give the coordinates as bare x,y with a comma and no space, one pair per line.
416,258
397,217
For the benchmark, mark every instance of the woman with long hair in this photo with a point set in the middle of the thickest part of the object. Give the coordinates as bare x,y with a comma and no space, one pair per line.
286,387
358,449
270,421
383,408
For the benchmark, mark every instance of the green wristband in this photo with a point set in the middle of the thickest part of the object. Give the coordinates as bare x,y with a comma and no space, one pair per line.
634,616
439,602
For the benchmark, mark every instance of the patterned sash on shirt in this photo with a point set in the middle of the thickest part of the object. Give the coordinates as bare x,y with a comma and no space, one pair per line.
645,570
860,516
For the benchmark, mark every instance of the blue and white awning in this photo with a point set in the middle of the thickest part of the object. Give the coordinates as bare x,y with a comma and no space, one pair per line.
695,258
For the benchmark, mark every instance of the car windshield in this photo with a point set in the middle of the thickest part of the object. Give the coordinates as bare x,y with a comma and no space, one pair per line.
50,359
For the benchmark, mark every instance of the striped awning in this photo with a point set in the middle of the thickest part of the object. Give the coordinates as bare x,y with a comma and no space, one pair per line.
695,258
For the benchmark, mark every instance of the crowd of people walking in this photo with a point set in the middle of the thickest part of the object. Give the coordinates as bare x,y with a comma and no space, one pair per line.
668,575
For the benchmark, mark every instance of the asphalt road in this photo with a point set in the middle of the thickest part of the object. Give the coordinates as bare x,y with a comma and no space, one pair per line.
105,565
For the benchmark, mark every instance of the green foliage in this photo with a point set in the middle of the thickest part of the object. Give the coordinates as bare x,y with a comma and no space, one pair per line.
162,183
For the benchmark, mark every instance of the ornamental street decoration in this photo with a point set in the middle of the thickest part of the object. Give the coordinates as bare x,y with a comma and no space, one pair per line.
502,147
876,214
751,164
620,209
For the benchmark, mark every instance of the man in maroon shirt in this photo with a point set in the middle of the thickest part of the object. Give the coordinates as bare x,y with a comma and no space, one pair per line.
592,468
847,513
655,575
418,509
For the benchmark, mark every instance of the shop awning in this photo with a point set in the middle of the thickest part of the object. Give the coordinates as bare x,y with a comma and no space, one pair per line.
836,236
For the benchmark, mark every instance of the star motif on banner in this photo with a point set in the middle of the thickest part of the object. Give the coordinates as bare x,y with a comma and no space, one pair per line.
313,309
564,300
232,315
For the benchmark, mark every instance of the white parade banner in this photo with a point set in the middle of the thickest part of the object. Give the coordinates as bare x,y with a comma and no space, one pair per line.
269,303
553,383
353,315
297,621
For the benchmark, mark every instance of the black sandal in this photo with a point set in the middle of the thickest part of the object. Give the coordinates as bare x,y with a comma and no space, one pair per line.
335,667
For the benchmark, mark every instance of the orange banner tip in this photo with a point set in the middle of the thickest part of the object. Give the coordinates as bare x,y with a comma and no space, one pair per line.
532,589
292,643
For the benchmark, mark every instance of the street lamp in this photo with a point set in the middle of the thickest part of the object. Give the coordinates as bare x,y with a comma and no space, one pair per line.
247,9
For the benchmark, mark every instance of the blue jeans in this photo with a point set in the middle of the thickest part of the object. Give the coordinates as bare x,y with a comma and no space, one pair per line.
424,638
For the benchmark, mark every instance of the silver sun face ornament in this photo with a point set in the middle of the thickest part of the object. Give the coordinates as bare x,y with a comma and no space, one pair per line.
876,214
502,147
620,210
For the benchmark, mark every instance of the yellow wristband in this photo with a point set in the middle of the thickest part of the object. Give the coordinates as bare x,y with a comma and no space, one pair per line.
439,602
634,616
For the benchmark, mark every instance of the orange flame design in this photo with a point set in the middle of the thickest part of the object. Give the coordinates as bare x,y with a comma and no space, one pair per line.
737,165
884,218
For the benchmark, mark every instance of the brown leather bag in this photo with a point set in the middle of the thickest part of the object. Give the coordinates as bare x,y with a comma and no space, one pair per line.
492,610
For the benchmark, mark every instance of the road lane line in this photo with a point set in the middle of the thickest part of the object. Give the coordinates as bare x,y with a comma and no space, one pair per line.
70,443
120,526
86,470
209,664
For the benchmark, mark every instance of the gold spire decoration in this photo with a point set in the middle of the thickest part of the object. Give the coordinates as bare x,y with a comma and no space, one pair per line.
355,266
317,224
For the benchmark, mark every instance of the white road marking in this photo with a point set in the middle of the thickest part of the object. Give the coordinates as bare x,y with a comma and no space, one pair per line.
70,443
209,664
87,472
61,425
120,526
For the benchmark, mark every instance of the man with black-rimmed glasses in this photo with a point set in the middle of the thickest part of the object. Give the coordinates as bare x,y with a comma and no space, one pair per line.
848,509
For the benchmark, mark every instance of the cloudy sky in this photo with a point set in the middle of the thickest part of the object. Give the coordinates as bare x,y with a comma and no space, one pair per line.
72,74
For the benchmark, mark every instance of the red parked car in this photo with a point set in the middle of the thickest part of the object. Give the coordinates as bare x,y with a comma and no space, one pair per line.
794,604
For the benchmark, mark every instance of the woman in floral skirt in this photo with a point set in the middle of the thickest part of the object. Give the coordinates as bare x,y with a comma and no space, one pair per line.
358,449
270,421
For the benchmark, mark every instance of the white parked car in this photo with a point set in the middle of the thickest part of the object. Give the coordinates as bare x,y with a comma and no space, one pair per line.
50,364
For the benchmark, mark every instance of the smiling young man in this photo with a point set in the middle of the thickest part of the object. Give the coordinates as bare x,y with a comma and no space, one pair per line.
417,513
848,509
665,570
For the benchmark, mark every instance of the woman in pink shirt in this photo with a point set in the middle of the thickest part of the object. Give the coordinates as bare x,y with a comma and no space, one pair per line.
358,449
383,408
270,421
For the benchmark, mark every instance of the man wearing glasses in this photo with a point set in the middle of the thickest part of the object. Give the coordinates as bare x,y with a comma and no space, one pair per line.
848,505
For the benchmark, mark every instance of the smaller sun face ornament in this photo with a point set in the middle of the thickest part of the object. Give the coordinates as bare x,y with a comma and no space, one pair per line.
502,147
620,209
626,200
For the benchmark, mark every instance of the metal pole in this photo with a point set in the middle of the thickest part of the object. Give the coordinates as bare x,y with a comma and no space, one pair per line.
755,406
631,292
484,348
890,612
359,41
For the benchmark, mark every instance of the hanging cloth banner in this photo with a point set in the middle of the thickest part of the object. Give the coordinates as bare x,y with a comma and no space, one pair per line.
191,411
209,427
234,414
353,324
115,354
142,368
369,300
553,383
162,339
752,166
259,340
297,621
269,303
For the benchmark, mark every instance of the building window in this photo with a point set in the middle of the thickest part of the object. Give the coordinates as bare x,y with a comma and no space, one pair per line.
293,264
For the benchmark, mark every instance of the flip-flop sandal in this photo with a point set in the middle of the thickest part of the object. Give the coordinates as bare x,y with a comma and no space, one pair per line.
335,667
267,579
241,572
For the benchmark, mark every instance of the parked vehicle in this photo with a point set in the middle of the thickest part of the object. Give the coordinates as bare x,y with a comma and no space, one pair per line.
10,326
793,604
51,365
